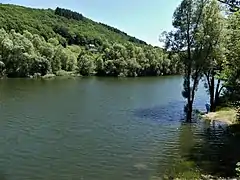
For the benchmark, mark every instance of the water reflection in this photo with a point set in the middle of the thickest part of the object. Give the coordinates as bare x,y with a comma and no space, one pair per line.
2,176
201,147
218,152
178,165
210,148
82,129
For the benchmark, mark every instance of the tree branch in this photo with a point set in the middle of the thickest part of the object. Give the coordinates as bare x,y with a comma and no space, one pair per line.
231,3
220,89
234,4
198,20
208,78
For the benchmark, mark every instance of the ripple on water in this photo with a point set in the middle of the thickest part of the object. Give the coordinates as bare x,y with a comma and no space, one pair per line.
85,131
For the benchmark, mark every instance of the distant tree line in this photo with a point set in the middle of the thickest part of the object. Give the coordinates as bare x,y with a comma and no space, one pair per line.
76,38
40,42
69,14
25,55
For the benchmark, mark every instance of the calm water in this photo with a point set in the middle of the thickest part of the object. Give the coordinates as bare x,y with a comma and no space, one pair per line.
94,128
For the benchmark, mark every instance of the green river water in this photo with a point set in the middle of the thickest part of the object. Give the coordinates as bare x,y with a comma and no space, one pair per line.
101,129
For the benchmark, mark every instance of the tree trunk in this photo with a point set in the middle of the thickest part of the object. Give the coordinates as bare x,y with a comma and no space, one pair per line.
211,91
217,93
189,112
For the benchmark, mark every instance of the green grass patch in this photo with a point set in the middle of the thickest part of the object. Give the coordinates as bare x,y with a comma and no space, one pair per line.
224,114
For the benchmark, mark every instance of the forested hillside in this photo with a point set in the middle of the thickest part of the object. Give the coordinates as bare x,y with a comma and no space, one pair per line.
64,40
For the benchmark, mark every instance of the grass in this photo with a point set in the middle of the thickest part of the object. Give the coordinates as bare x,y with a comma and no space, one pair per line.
66,73
223,114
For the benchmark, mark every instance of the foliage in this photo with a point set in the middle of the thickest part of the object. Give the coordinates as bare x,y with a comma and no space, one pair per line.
48,41
238,169
212,35
66,25
206,41
23,55
85,64
131,39
185,40
232,68
68,14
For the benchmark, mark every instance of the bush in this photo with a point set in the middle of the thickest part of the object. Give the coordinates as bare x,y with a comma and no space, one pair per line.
238,169
64,73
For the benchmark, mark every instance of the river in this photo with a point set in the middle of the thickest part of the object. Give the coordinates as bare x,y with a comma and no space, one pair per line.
95,128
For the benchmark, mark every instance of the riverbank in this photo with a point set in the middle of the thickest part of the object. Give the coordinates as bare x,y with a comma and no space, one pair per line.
226,115
223,114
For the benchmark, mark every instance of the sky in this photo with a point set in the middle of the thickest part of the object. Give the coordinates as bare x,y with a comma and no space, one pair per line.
144,19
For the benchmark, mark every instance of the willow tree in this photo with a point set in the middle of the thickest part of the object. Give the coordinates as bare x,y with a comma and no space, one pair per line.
187,19
213,36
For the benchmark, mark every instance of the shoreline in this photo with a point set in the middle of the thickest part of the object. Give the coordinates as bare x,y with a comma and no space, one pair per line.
225,115
76,74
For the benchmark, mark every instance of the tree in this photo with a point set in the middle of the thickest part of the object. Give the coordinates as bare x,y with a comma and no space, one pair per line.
17,53
213,35
40,65
187,19
68,14
86,64
132,67
99,66
233,58
53,42
58,61
71,64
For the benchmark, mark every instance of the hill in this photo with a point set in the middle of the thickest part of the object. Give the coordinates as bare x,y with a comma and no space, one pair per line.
68,41
49,23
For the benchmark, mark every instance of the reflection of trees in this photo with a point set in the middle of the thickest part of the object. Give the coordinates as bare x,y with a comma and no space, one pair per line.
177,165
203,148
2,176
187,168
219,150
186,137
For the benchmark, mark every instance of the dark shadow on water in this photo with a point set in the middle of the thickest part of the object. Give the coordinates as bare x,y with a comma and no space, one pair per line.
3,176
170,112
204,148
210,148
218,152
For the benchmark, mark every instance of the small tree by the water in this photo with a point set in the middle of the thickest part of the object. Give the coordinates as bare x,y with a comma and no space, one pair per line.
188,42
199,38
213,30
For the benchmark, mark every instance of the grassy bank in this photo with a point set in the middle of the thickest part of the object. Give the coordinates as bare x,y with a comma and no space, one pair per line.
223,114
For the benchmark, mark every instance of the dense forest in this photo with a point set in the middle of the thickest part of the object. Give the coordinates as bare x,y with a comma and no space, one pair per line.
37,42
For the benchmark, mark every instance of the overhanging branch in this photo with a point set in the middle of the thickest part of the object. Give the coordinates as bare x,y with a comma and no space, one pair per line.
233,4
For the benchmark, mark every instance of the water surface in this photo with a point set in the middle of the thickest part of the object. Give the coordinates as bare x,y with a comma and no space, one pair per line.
94,128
